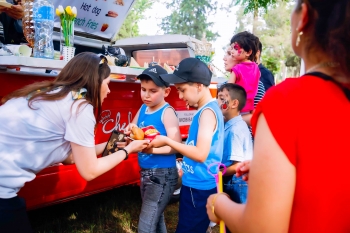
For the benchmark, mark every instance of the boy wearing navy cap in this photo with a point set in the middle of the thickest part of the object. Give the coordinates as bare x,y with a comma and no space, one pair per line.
158,165
204,145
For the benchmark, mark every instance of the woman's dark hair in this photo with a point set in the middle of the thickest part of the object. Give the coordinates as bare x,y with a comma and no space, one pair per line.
236,92
83,71
330,27
247,41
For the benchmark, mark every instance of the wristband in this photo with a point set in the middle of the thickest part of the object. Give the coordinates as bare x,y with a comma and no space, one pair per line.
213,202
126,153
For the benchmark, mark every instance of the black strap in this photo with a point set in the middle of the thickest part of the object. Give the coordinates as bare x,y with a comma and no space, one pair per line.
126,153
329,78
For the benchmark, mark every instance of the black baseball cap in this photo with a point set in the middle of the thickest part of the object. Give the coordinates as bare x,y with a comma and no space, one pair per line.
154,73
189,70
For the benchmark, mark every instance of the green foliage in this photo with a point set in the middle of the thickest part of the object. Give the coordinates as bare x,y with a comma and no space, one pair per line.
271,63
275,36
243,20
130,26
293,61
253,5
189,17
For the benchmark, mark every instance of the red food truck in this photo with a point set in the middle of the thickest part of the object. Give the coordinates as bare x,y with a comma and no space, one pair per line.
60,183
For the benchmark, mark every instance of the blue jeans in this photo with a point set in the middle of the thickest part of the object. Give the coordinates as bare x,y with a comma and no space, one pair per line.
193,216
237,189
157,187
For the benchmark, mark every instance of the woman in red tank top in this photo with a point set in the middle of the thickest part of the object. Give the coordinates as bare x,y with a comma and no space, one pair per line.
299,176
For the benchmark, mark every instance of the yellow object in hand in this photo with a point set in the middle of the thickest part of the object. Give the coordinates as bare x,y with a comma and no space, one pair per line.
220,190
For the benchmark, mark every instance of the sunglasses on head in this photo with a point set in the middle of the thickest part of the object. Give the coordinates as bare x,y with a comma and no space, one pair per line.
103,60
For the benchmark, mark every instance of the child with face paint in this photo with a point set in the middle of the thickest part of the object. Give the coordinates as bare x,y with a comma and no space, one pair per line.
245,72
238,144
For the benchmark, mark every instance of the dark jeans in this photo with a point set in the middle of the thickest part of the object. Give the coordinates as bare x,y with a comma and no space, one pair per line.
13,216
237,189
157,187
193,216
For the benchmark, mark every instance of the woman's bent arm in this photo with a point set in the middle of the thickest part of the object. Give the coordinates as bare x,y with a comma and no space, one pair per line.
90,167
271,190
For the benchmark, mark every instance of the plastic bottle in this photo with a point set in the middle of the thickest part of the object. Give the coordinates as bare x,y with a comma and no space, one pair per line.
43,11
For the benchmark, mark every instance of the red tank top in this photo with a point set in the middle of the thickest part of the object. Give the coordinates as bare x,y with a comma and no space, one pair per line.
310,120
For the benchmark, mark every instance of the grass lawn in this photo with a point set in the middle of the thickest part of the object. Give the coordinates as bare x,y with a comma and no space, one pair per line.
114,211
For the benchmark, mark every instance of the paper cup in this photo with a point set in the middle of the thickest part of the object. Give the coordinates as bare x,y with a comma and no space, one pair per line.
20,50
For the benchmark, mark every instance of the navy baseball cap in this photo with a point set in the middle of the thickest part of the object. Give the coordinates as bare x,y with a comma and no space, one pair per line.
189,70
154,73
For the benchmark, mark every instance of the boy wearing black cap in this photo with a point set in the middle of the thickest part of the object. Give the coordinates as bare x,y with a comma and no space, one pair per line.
204,145
158,165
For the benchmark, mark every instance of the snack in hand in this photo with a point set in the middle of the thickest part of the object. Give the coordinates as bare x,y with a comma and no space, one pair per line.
137,133
150,132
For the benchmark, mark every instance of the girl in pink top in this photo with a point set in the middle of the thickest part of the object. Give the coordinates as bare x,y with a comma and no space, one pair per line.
245,72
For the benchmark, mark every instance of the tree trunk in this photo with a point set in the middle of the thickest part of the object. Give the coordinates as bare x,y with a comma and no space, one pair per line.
255,21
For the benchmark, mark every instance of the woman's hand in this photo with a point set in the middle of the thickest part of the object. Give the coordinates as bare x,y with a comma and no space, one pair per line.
136,146
209,206
128,128
242,169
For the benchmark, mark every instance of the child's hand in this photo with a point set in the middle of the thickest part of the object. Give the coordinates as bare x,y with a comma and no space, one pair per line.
242,169
128,128
2,9
158,141
148,150
15,11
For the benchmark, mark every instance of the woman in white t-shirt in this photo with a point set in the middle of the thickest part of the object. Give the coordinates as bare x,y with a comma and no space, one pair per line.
46,122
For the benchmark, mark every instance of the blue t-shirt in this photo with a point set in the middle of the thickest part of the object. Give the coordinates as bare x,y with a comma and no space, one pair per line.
156,119
238,144
196,174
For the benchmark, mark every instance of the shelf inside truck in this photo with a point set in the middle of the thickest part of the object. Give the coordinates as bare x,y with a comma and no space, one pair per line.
40,65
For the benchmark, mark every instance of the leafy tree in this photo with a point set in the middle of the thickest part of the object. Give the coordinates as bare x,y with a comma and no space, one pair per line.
189,17
253,6
275,35
271,63
130,26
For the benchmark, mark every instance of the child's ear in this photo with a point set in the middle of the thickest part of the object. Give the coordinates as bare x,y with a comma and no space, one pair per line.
199,86
249,53
235,103
167,91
